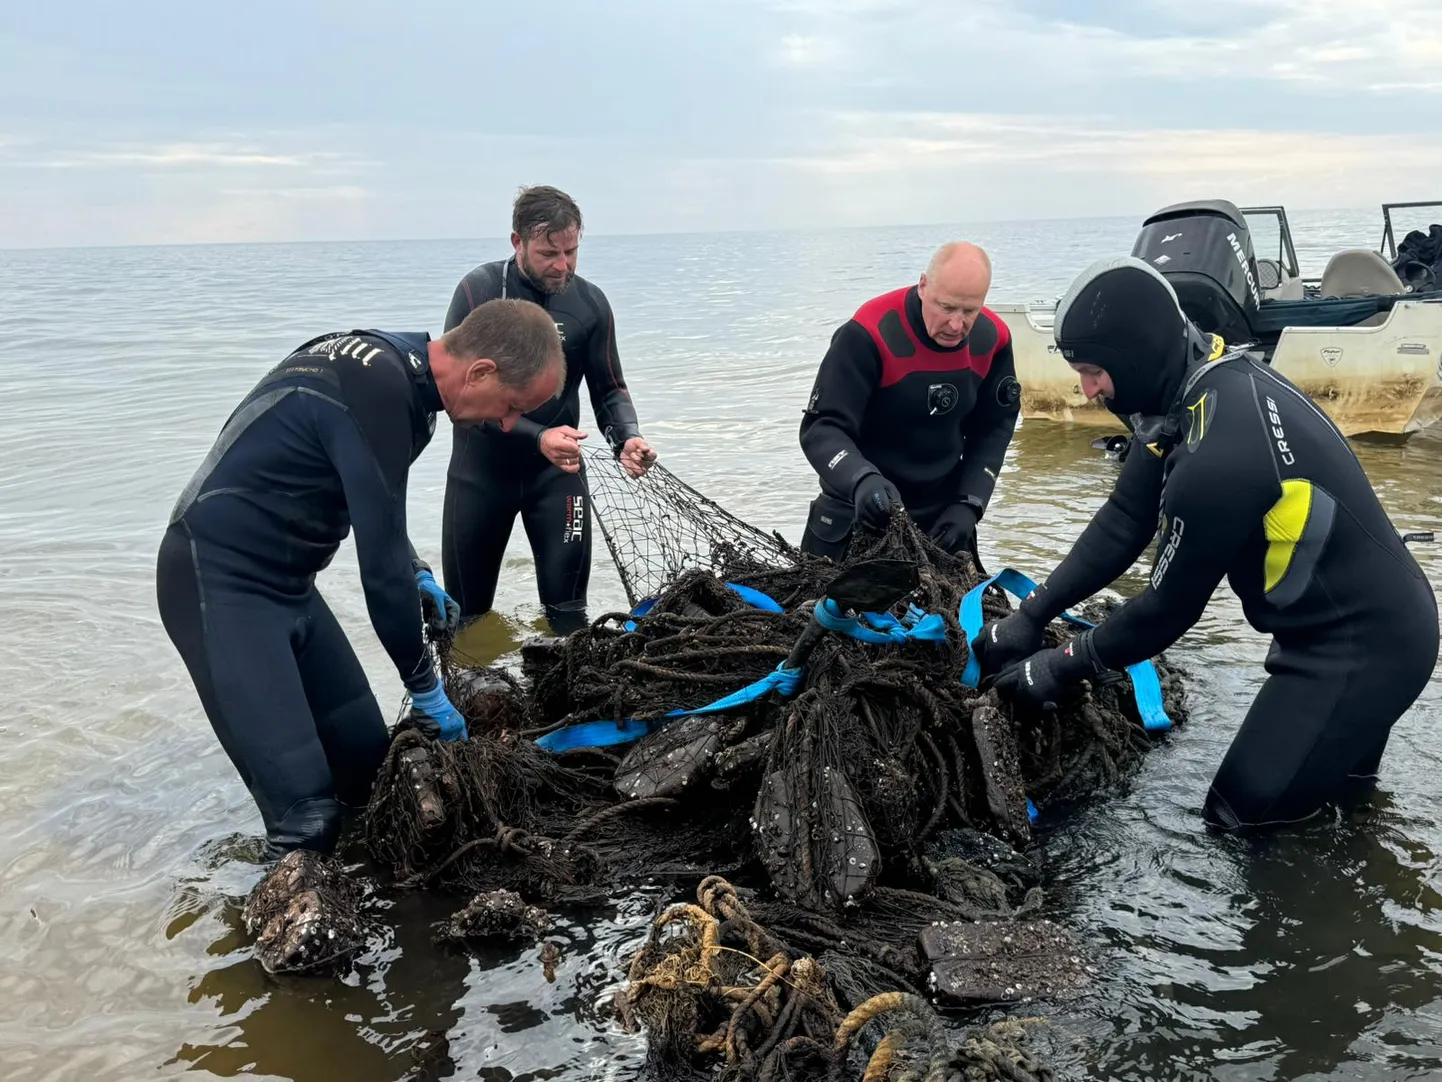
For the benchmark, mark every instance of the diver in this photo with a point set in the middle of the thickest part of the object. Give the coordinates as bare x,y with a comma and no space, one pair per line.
1238,475
535,469
913,407
323,443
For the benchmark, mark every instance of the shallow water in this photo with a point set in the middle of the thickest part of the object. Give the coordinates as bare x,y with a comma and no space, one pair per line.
124,831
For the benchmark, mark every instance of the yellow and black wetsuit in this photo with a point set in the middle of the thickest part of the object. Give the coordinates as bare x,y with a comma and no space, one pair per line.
1250,481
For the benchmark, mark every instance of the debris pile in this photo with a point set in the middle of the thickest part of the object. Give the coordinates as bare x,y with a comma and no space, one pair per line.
852,818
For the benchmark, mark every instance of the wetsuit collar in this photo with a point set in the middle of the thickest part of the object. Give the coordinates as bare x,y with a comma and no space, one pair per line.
918,325
425,379
415,354
430,393
1159,432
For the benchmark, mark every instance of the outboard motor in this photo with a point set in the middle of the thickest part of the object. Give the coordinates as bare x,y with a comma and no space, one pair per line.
1204,250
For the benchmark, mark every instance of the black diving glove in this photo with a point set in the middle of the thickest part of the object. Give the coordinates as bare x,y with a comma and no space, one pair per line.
874,497
1002,643
954,528
1044,679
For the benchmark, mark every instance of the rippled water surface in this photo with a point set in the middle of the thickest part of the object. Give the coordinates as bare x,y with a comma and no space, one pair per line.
124,830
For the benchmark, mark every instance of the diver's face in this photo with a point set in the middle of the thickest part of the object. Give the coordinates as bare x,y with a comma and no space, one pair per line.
1094,382
548,259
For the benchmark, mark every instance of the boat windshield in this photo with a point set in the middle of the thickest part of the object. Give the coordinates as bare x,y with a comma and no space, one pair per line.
1399,219
1269,239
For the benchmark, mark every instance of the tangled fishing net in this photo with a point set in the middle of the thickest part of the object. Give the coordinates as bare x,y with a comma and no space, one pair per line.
855,830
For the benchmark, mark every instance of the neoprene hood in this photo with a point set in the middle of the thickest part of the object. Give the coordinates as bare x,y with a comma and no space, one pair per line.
1122,316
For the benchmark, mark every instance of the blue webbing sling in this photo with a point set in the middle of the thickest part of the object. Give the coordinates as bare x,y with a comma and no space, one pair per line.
1146,688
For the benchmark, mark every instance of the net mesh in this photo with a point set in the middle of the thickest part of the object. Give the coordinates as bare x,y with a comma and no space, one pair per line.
657,527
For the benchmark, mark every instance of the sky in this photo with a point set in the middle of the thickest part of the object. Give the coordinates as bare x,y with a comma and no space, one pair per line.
161,122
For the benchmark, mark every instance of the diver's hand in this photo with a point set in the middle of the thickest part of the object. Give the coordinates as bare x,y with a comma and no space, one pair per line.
1002,643
562,447
441,613
436,717
874,497
1045,679
954,528
636,456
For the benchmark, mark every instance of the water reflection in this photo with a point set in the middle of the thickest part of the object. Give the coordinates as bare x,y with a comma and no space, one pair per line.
386,1020
121,879
415,1009
1283,957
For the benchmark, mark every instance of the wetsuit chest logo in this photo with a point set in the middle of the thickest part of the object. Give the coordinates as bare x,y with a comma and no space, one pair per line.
1199,418
1008,392
940,398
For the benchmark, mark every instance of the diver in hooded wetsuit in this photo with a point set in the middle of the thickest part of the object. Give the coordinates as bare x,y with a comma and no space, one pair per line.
324,443
535,470
1238,475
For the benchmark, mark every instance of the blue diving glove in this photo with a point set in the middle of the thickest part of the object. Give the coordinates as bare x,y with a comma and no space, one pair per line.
442,615
1044,679
436,717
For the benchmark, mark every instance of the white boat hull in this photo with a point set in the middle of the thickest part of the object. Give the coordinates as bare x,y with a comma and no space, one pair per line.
1378,381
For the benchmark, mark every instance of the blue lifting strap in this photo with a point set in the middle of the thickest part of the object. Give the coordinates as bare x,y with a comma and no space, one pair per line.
600,734
755,598
882,627
1146,688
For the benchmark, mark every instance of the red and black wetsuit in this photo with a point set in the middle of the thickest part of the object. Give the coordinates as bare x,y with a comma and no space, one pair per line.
933,420
495,475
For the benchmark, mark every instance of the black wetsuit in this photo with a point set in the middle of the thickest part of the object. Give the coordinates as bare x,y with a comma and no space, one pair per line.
495,475
1257,485
933,420
323,443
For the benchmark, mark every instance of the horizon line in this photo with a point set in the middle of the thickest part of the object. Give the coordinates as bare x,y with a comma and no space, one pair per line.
505,237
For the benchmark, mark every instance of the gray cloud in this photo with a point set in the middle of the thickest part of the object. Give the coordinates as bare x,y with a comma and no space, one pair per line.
274,121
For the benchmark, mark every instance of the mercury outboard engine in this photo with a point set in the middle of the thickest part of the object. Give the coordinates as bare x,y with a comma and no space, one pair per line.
1204,250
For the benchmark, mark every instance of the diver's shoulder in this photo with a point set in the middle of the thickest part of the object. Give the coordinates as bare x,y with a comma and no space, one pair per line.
584,287
1234,368
989,333
584,300
485,275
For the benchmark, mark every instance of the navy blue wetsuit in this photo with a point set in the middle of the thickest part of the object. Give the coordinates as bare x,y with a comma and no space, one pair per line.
494,475
322,444
933,420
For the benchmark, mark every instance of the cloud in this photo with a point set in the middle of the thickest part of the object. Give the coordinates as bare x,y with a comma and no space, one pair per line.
900,142
175,155
337,191
945,163
1014,46
808,51
219,154
750,114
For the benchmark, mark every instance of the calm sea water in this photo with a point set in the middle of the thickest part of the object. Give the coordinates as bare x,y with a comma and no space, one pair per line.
1313,955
